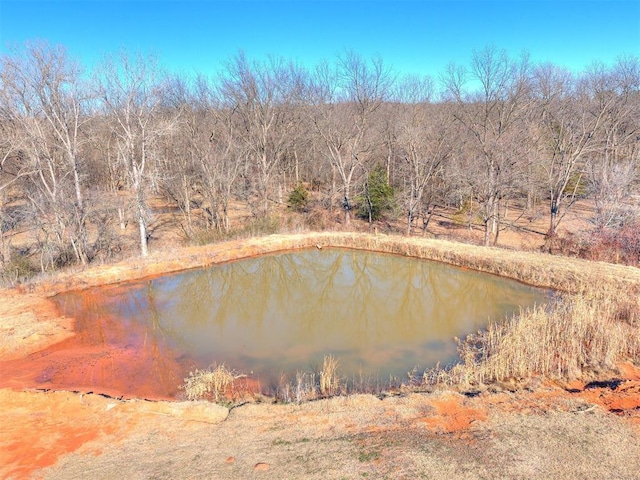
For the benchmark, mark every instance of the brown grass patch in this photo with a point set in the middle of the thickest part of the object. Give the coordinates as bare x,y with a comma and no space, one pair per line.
578,335
329,379
212,383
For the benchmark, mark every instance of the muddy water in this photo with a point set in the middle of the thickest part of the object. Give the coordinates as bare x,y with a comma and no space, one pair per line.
270,316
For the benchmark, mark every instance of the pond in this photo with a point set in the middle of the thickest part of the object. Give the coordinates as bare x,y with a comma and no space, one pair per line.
380,315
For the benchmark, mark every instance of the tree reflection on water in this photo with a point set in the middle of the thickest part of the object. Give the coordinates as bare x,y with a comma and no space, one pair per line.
381,315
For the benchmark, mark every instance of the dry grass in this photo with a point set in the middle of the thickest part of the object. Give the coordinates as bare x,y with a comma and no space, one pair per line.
329,379
216,383
305,387
302,389
212,383
309,386
576,336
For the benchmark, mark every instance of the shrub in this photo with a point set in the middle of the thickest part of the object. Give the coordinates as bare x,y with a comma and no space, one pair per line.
299,198
267,225
206,236
259,226
108,244
619,245
320,219
17,269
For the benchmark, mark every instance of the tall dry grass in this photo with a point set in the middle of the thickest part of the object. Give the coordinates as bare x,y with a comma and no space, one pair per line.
329,379
575,336
308,386
212,383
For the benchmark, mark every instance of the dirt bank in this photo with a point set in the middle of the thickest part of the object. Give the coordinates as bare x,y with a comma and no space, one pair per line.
547,433
543,430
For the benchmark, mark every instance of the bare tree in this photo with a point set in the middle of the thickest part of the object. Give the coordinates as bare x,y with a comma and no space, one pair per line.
342,102
181,147
260,96
569,118
50,104
13,168
613,168
224,155
130,93
492,113
424,142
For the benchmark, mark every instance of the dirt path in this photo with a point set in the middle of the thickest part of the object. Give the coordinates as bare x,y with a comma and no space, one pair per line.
541,431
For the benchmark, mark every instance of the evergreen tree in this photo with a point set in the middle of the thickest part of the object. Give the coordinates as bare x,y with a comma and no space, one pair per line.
298,198
377,196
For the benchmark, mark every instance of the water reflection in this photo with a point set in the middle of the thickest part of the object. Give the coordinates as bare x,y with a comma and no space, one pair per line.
379,314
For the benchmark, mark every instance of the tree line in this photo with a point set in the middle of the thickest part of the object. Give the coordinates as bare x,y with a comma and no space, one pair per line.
82,151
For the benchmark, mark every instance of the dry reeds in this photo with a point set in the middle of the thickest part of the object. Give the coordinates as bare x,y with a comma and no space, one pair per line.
212,383
329,379
305,387
302,389
309,386
586,332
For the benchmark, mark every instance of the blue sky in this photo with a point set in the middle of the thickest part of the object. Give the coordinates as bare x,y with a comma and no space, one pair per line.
413,36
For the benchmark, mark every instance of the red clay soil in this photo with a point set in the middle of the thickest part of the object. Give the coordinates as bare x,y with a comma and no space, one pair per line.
41,428
108,357
37,432
620,395
451,415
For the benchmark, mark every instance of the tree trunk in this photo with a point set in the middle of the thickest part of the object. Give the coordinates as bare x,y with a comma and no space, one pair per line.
142,223
426,220
553,218
347,206
140,208
143,237
486,234
187,203
81,246
122,218
5,245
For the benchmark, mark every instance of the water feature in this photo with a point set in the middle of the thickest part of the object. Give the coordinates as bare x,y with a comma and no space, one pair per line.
380,315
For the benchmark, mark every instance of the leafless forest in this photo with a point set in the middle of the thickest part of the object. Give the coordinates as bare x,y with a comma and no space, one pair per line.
83,151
